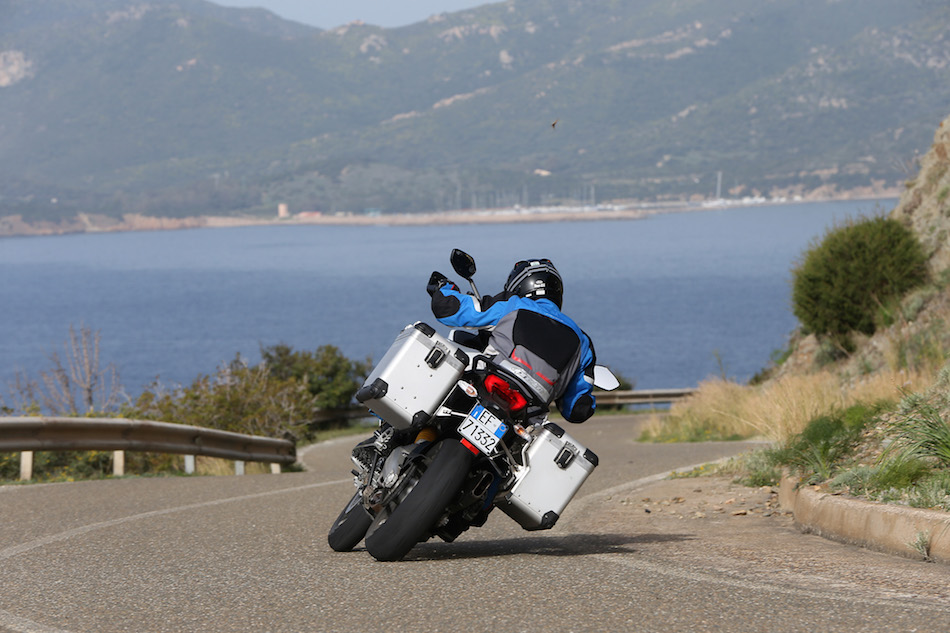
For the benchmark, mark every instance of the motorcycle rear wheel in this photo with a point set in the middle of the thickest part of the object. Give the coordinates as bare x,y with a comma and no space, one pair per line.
350,527
414,517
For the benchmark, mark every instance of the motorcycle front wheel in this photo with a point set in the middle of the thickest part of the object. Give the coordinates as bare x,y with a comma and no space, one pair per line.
350,527
422,507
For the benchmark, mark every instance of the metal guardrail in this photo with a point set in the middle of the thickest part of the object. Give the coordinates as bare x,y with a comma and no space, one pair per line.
29,434
643,396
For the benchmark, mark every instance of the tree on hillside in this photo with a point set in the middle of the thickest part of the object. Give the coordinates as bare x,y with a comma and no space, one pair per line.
842,282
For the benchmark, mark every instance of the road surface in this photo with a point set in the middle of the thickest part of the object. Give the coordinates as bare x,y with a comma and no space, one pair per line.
250,554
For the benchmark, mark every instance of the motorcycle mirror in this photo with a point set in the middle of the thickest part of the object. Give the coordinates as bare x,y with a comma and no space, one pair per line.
604,378
463,263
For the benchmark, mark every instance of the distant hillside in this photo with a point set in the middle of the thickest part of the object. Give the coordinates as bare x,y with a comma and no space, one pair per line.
177,108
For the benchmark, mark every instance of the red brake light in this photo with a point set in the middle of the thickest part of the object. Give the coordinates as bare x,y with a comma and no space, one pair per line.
498,387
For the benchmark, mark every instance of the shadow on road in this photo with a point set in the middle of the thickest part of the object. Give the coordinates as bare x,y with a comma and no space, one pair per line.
571,545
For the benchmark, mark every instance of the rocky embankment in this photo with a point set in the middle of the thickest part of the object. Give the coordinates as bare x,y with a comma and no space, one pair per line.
923,318
925,205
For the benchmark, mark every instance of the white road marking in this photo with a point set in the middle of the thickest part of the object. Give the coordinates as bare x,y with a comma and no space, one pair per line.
16,624
16,550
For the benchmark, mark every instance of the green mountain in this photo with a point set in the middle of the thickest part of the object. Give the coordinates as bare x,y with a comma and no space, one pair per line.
182,107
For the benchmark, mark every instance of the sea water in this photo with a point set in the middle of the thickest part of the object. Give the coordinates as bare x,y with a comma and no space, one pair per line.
668,300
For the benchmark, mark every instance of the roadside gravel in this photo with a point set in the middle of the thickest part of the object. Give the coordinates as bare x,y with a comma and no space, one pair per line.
725,528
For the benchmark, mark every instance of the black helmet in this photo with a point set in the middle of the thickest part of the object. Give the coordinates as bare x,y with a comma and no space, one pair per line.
536,279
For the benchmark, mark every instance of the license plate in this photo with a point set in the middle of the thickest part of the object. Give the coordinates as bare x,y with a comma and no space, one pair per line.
483,429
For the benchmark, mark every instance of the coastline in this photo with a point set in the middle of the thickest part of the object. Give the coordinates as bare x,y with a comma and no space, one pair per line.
15,226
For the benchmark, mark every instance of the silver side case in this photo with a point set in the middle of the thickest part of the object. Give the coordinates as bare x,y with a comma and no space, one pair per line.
554,467
413,377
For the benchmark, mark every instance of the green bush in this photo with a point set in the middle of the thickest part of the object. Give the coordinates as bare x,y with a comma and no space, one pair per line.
285,393
289,391
826,443
932,491
236,398
922,433
329,375
909,481
758,468
899,473
857,269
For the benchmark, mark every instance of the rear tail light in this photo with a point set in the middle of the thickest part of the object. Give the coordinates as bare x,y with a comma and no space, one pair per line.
498,387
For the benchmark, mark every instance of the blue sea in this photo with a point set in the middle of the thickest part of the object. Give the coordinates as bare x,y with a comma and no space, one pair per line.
668,300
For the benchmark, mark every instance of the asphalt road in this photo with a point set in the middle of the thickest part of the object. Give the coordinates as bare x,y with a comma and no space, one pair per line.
250,554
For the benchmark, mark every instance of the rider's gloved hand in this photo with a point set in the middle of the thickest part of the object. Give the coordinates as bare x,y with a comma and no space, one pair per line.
436,281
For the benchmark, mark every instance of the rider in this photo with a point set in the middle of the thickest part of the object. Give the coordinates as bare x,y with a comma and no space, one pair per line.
529,334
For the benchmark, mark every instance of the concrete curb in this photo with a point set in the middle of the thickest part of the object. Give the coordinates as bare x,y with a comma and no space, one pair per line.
909,532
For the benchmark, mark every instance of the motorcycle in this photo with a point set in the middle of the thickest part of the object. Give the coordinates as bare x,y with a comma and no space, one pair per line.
458,437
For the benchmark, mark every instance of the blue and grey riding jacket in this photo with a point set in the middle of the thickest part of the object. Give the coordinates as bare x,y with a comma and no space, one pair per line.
533,339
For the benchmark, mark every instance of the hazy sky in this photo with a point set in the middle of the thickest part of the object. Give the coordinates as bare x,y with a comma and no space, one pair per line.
329,13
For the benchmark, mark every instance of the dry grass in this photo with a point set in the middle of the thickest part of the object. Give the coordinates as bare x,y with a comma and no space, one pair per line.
775,410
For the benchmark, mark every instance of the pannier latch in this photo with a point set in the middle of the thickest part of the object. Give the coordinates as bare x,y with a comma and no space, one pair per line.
564,457
435,356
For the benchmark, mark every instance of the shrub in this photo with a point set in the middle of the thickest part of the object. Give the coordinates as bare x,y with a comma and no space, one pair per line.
288,392
826,442
905,481
924,434
329,375
842,282
932,492
755,468
236,398
283,394
860,480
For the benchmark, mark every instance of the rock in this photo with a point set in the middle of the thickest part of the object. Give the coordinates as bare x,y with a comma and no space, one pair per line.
922,204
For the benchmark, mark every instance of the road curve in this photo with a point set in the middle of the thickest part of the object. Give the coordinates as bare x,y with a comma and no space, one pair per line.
249,554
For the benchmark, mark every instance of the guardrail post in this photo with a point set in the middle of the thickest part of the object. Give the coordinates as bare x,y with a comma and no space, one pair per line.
26,465
238,467
189,464
118,463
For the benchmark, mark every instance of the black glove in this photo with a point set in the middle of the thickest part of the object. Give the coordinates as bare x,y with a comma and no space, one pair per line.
436,281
